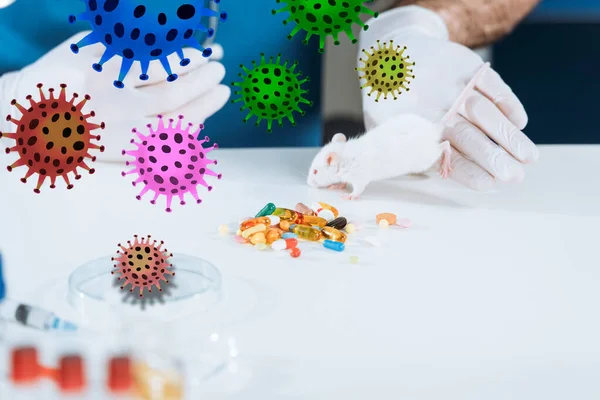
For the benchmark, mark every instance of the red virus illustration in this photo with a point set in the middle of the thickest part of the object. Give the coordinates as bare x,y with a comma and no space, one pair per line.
142,264
53,137
171,161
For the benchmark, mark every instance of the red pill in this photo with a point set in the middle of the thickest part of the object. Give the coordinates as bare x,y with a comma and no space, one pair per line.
295,252
284,244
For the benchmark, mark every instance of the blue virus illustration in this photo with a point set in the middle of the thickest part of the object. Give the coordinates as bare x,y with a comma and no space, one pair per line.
145,33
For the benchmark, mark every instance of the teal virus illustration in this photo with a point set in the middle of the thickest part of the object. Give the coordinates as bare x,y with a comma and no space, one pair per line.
271,91
386,70
145,33
325,18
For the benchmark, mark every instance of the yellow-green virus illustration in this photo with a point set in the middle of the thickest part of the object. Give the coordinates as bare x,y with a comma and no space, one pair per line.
325,18
387,70
271,91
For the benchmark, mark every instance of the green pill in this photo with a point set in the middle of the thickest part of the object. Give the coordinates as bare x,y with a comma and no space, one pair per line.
266,210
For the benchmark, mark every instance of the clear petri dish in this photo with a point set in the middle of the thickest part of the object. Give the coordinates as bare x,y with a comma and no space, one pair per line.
96,295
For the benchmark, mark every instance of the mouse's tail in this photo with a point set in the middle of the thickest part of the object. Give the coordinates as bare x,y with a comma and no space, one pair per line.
463,95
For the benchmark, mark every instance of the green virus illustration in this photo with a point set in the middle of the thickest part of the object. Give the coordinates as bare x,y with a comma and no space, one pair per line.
325,18
386,71
271,91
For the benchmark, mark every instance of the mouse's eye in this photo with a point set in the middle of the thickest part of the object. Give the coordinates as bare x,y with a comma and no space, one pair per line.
315,171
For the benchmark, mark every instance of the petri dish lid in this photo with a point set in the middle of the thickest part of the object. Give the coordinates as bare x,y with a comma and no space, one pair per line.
96,295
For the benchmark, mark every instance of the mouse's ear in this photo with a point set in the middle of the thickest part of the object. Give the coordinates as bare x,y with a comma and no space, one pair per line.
332,158
339,137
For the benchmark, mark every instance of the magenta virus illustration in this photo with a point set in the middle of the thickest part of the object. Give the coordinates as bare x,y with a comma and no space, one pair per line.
142,264
171,161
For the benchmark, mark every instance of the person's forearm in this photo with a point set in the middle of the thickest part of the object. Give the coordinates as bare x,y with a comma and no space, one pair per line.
476,23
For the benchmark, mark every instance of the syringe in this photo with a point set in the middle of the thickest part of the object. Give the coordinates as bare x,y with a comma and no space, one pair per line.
34,317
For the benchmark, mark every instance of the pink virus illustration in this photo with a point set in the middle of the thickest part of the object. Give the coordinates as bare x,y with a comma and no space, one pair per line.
142,264
53,137
171,161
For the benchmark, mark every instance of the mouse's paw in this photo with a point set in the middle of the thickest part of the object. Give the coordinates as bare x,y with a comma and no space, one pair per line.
445,172
337,186
446,162
350,196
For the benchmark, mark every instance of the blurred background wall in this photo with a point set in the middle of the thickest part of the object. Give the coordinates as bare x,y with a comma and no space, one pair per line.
551,61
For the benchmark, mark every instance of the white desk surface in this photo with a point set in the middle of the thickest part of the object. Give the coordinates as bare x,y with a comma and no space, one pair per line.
488,296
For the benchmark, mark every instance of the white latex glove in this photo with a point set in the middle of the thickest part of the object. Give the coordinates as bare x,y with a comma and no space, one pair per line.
196,94
6,3
486,135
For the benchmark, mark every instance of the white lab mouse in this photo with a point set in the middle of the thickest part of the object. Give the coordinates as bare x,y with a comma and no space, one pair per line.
404,144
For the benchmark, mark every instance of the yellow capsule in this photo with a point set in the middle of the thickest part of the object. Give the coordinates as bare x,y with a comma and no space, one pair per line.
312,220
333,234
350,228
258,237
268,221
272,235
286,214
306,232
256,228
330,208
285,225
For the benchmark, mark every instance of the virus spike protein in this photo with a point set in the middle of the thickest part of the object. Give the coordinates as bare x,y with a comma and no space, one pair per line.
325,18
271,91
142,264
387,70
170,161
144,33
53,137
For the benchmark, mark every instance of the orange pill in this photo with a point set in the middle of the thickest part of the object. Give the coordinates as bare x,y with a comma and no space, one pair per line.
389,217
267,221
272,235
312,220
333,234
331,208
285,225
258,237
295,252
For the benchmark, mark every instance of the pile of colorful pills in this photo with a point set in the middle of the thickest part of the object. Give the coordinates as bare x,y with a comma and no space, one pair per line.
282,228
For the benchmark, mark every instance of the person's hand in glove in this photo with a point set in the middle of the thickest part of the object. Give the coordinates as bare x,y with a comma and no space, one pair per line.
486,135
196,95
6,3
